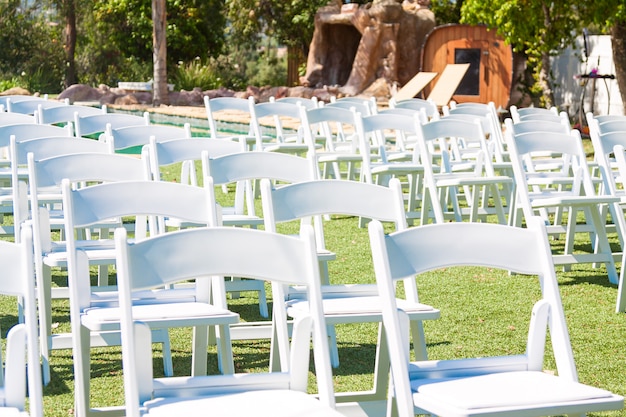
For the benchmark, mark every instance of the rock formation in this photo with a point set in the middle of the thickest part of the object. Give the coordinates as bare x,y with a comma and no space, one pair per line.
354,46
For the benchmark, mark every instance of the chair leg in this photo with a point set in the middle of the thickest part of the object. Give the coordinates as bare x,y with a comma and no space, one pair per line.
44,295
82,370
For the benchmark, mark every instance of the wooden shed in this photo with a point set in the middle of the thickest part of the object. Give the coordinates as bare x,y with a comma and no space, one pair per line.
490,75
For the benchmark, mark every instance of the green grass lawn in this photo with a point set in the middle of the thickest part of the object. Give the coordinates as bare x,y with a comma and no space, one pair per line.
484,312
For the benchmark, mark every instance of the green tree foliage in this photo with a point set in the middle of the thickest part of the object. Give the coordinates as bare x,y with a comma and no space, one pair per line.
290,22
536,28
446,11
195,27
31,54
115,39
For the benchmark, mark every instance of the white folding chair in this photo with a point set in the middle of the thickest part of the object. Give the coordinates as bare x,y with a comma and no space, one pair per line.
451,176
377,168
568,187
340,157
49,173
620,187
228,110
43,148
140,200
511,384
147,264
244,169
21,366
604,143
277,117
348,302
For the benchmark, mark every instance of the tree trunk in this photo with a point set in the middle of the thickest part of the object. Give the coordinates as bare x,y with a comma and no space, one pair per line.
70,43
159,87
618,38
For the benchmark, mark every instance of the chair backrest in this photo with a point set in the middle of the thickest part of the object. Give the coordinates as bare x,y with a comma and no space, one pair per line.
10,101
64,114
31,106
84,167
517,114
30,131
246,167
17,279
148,264
416,104
308,199
241,166
187,151
4,100
52,146
308,103
7,118
528,126
225,104
359,105
97,123
139,135
137,199
418,250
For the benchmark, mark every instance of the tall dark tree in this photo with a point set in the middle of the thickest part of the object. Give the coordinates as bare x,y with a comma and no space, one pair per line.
159,41
67,10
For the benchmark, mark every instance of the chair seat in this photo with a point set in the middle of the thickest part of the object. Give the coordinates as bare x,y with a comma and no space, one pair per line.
397,168
265,403
108,297
160,315
573,201
12,412
368,307
460,179
538,392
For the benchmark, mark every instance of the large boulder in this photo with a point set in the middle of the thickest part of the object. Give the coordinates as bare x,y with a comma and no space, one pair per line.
81,92
15,91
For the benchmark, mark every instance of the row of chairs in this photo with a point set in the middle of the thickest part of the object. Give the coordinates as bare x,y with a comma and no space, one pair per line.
437,189
479,386
436,192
